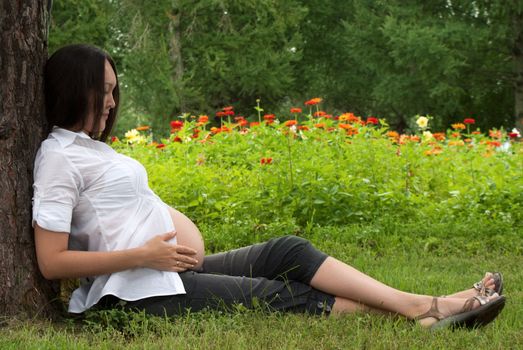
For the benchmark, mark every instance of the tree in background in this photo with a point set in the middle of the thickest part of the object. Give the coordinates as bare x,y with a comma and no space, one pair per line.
393,59
397,59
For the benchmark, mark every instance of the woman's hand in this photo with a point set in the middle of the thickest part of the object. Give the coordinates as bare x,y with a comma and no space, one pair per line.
159,254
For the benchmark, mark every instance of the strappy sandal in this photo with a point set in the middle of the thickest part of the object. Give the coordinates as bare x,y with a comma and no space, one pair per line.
498,285
468,317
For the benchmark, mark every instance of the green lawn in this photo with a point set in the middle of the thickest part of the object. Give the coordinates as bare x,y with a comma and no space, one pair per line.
411,261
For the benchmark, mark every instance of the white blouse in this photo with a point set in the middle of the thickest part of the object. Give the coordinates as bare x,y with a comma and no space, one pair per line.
102,200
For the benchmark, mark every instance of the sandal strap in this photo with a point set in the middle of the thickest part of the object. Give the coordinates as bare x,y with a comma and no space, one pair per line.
433,311
469,304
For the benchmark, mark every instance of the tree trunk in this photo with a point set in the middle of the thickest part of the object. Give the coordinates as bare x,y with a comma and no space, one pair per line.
518,67
23,52
176,52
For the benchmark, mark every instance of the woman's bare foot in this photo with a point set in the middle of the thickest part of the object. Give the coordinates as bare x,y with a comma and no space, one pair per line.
488,282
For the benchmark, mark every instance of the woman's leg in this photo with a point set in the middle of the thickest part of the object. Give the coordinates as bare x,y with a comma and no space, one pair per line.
342,280
294,258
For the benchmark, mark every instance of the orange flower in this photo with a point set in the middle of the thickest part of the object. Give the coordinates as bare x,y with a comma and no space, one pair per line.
228,108
476,132
142,128
345,126
458,126
456,135
415,138
295,110
349,117
267,161
251,124
495,134
290,123
303,127
319,114
177,139
393,134
269,117
456,143
114,139
220,114
319,125
313,101
242,122
434,151
203,119
439,136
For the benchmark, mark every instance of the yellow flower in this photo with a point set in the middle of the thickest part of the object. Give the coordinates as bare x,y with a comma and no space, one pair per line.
133,136
422,122
427,135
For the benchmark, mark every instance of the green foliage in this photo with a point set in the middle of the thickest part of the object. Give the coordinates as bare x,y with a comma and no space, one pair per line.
397,58
398,260
393,59
328,178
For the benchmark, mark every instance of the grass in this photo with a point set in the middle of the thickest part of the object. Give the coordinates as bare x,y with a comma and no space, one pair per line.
403,259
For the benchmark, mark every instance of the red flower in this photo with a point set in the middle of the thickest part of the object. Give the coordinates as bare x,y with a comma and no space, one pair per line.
228,108
269,117
513,135
265,161
494,143
303,127
160,145
195,133
319,114
176,125
114,139
372,120
295,110
220,114
228,112
313,101
177,139
469,121
290,123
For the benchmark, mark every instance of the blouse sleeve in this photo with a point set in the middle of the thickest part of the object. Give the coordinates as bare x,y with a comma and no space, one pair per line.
56,191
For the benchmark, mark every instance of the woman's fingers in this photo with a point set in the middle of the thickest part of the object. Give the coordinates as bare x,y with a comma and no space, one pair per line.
185,259
168,236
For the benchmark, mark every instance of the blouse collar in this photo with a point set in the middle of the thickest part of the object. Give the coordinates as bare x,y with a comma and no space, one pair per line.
66,137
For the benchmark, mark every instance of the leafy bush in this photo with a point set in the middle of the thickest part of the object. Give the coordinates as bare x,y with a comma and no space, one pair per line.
254,180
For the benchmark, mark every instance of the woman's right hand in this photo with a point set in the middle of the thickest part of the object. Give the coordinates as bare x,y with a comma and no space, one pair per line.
159,254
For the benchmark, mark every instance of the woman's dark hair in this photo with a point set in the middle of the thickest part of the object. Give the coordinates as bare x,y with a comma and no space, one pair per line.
74,85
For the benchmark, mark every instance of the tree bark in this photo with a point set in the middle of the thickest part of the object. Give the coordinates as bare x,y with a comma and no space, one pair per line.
518,69
23,52
176,51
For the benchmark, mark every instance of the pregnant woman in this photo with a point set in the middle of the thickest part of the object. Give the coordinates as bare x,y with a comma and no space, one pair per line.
95,218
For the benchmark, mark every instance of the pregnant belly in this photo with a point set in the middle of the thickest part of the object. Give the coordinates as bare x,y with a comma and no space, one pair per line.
188,235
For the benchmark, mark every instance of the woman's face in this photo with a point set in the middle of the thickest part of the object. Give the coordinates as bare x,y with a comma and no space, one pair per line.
109,85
